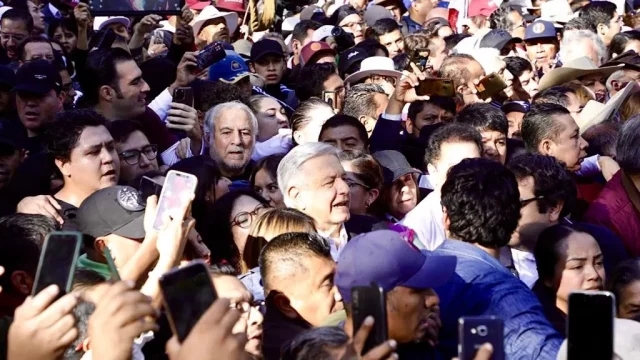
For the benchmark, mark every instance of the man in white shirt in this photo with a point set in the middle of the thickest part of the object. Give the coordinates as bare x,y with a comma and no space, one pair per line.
447,146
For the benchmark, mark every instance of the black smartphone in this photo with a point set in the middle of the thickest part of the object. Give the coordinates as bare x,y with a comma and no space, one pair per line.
149,187
187,293
370,301
420,57
210,55
113,270
590,325
490,85
183,95
58,260
473,331
330,97
436,87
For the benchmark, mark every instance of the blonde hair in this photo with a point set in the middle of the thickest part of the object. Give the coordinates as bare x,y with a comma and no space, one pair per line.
269,224
582,92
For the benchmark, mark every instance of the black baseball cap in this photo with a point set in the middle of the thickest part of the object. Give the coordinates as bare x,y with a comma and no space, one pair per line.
498,39
115,210
38,77
394,165
265,47
349,58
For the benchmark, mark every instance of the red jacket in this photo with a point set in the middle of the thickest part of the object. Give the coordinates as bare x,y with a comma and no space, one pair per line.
615,210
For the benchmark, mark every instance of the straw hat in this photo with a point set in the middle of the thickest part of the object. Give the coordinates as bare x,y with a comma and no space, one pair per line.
575,69
595,112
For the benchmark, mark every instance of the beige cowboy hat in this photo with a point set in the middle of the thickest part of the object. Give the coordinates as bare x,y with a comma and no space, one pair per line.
375,65
595,112
573,70
209,13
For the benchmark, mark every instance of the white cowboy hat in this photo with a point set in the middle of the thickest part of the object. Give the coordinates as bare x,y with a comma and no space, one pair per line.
595,112
375,65
100,22
575,69
210,12
557,11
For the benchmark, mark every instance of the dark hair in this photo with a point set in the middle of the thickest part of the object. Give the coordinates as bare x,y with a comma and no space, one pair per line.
627,150
315,343
346,120
290,250
517,65
29,40
548,249
220,241
551,181
371,46
499,19
121,130
302,116
452,40
21,240
554,95
579,23
314,76
455,67
101,70
482,202
208,174
623,275
360,100
484,117
620,41
302,28
401,61
602,139
443,102
453,132
369,170
207,94
68,24
341,13
382,27
81,313
598,12
270,164
222,268
17,14
540,123
103,34
61,135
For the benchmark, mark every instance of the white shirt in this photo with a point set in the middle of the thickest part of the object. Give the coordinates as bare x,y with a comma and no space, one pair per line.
525,263
426,221
337,245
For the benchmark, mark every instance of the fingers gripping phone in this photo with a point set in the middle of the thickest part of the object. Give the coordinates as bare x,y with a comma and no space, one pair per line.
370,301
436,87
58,260
490,86
330,97
177,189
474,331
590,325
187,293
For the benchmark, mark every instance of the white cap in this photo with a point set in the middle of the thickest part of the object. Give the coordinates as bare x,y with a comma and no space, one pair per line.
322,32
100,22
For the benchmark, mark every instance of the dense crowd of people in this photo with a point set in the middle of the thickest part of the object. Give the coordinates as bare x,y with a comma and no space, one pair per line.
471,158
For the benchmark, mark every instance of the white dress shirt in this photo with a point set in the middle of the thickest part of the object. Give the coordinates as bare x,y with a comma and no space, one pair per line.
338,244
525,263
426,220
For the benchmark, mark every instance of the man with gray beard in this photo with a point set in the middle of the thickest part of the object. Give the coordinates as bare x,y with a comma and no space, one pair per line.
230,129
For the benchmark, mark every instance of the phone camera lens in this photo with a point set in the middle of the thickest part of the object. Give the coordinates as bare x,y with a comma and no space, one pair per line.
482,330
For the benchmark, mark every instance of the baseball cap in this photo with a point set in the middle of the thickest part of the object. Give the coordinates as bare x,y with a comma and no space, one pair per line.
375,13
315,13
265,47
197,5
101,22
516,106
231,69
540,29
231,5
386,258
7,78
498,39
481,7
314,50
394,165
243,48
322,33
115,210
349,58
37,77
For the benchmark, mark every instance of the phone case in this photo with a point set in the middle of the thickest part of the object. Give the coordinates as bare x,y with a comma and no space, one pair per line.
176,190
330,98
590,325
436,87
490,86
474,331
56,270
370,301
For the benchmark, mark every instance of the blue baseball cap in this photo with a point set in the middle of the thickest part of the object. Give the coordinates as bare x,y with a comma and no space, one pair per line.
231,69
540,29
386,258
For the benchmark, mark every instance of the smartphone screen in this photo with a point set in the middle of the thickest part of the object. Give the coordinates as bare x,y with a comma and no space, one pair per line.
436,87
187,292
420,57
183,95
177,189
370,301
57,263
113,270
474,331
149,187
330,98
590,325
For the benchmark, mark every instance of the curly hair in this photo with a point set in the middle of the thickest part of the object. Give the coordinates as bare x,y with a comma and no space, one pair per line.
482,202
552,182
61,135
624,274
312,80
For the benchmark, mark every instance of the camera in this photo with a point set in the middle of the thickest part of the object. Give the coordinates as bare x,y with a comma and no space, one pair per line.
343,39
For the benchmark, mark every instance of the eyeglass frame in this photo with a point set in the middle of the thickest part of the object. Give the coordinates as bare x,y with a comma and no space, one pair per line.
528,201
251,215
140,152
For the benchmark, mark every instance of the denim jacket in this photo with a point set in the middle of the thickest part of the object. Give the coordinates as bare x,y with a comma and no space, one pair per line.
482,286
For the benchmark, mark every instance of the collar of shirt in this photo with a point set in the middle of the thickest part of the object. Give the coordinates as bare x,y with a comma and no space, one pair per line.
338,244
525,263
54,11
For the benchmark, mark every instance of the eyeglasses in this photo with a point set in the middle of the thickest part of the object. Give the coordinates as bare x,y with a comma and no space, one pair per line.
526,202
353,184
353,25
7,36
132,157
245,307
245,219
378,79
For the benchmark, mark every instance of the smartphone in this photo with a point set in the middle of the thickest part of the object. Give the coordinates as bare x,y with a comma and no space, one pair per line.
113,270
370,301
187,293
177,189
590,325
436,87
149,187
473,331
420,57
330,97
58,260
210,55
490,85
183,95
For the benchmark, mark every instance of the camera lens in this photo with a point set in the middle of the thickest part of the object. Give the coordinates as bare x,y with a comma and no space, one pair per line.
482,330
336,31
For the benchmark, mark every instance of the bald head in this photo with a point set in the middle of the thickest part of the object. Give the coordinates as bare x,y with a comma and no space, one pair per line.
438,12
